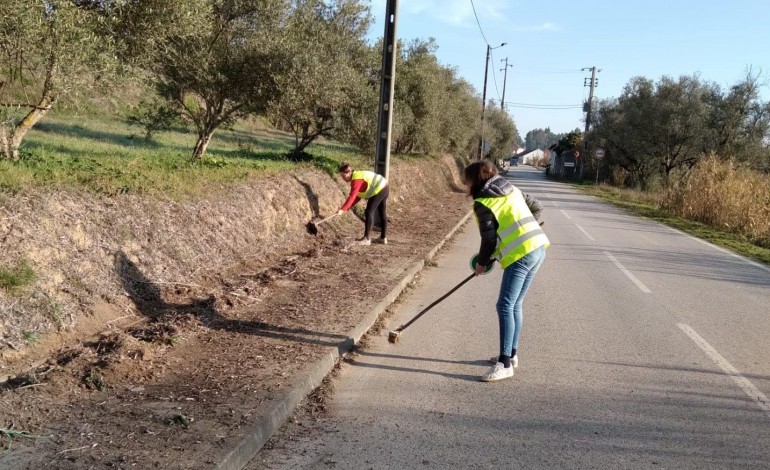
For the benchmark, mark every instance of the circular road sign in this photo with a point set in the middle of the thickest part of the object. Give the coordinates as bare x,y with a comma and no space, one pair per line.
599,153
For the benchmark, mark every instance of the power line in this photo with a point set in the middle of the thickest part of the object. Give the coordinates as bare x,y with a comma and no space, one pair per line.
543,106
547,71
539,104
494,77
479,23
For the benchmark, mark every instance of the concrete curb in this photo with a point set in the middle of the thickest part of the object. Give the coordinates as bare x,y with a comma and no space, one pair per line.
274,413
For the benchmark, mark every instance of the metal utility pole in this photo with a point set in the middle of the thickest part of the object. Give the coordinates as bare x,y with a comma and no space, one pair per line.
505,78
484,97
588,108
385,118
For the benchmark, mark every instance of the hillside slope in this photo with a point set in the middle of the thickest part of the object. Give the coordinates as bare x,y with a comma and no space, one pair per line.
176,320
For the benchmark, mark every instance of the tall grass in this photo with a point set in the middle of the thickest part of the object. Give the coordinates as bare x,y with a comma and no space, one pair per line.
723,195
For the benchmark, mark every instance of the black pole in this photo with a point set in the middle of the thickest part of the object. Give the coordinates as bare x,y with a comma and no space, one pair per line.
484,103
385,119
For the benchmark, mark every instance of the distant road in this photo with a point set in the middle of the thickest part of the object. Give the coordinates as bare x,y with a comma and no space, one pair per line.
642,348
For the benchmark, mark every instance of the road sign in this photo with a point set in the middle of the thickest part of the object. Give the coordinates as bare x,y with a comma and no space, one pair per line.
599,153
569,164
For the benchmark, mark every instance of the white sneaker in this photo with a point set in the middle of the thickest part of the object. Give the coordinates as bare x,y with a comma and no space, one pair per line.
363,242
514,360
381,241
497,372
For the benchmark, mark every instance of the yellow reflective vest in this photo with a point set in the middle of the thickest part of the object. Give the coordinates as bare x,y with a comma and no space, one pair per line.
374,183
518,233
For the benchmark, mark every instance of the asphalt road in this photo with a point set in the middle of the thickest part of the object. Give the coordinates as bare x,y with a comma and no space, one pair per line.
642,347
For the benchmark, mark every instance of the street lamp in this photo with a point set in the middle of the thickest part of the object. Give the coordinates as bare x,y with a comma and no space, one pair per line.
484,96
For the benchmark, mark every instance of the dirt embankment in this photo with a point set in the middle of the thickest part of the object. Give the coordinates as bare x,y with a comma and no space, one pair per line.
154,328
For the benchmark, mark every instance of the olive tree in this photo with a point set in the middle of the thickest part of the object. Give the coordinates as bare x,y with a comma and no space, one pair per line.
214,61
48,49
654,128
500,132
326,73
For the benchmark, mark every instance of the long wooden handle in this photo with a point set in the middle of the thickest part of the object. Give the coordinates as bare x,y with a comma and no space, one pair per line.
328,218
435,302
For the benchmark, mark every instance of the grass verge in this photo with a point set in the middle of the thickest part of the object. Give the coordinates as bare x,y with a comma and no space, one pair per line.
646,205
105,155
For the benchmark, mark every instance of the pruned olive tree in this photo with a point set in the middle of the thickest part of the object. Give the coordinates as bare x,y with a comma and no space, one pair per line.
420,89
500,132
48,48
435,110
214,61
654,128
327,69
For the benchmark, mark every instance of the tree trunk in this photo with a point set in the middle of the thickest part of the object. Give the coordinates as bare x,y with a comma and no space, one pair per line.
11,137
11,148
5,140
204,138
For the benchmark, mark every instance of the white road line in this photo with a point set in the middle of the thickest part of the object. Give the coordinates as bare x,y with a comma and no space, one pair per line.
565,214
586,233
628,274
744,383
555,204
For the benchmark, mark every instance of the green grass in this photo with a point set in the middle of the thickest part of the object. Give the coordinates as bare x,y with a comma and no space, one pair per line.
30,336
103,154
645,205
16,277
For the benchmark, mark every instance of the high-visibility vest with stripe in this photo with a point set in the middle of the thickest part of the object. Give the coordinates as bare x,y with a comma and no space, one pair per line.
518,233
374,183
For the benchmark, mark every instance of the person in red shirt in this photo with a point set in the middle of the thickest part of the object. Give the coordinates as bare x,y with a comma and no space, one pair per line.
375,189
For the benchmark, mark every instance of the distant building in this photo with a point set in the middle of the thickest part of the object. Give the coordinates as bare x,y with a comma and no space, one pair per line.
562,164
530,157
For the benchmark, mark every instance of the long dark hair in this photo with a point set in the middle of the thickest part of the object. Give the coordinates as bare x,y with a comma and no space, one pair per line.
477,174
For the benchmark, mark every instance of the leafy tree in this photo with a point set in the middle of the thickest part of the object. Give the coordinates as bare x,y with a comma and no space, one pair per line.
214,61
435,110
48,49
419,91
541,138
460,113
739,122
570,142
326,43
655,128
357,122
501,133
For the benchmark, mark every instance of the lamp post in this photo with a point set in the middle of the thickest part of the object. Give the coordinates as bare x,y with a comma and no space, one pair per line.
484,97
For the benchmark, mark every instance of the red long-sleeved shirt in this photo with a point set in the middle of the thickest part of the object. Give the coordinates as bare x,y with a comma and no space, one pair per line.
356,187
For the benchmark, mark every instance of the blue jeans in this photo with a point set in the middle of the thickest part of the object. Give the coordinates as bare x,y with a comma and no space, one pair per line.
516,280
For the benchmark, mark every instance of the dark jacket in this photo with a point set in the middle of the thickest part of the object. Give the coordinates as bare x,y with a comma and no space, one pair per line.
496,187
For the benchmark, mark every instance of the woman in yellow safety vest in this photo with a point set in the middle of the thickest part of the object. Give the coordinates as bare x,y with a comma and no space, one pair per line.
511,235
375,189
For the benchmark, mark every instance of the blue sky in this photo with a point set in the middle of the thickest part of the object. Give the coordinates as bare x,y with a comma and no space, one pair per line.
549,42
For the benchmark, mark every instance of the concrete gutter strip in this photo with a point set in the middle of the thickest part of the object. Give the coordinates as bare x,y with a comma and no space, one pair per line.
275,412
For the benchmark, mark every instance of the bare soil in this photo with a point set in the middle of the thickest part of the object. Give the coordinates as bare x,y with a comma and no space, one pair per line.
173,322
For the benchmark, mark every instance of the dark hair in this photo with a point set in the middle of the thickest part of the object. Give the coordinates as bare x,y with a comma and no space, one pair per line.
477,174
345,167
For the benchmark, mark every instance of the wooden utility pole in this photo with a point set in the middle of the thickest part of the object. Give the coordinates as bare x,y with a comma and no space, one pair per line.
588,110
385,119
484,97
505,78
